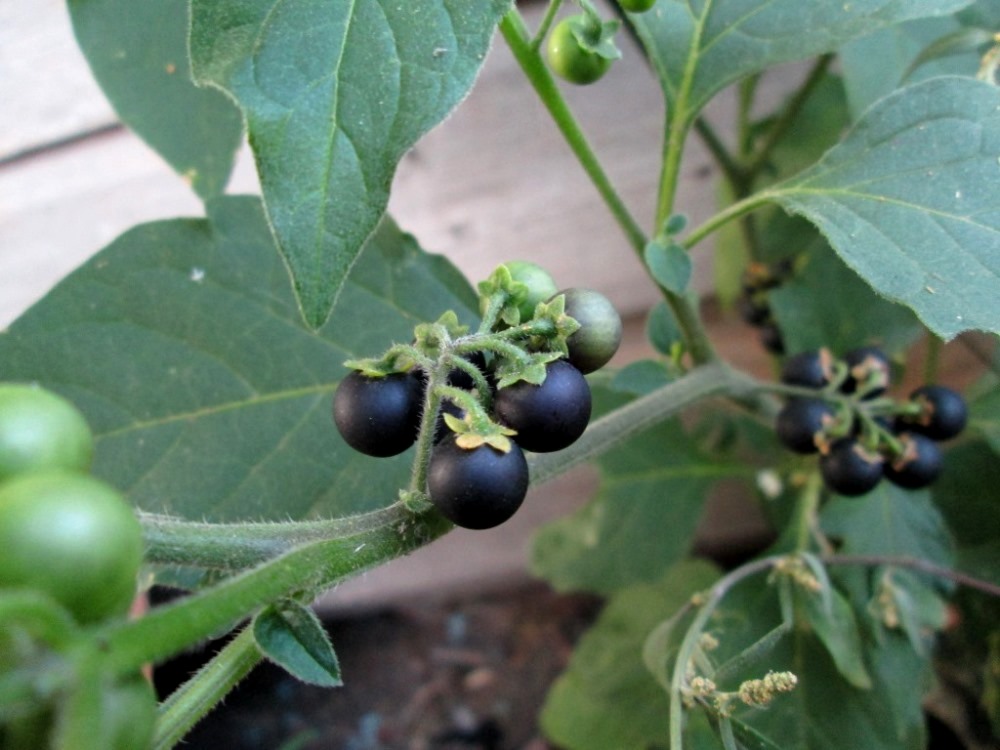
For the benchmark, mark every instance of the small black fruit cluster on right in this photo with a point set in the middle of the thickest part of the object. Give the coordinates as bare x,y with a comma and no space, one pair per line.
759,280
517,384
860,434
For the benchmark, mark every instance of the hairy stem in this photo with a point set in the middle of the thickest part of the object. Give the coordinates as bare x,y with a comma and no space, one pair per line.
515,33
304,571
187,705
709,602
915,563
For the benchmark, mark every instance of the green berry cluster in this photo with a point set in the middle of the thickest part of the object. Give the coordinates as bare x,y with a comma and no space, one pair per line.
73,545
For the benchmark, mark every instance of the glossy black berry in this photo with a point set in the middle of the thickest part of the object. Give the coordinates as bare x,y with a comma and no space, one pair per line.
868,369
754,309
808,369
461,379
849,469
379,416
771,338
801,421
942,416
550,416
478,488
441,430
920,464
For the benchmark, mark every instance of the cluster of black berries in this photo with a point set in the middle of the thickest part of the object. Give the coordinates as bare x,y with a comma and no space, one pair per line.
477,475
861,435
759,280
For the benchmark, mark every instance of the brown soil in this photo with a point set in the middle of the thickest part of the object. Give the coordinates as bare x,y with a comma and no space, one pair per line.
470,673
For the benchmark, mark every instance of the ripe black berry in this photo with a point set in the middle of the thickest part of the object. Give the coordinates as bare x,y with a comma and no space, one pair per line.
379,416
943,413
920,464
808,369
868,370
849,469
801,421
550,416
478,488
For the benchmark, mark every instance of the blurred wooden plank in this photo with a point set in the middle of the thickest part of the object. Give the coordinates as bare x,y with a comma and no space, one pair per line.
46,89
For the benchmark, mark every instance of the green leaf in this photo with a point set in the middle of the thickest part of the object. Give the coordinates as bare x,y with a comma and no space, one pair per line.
669,264
906,201
875,65
291,636
662,329
699,46
966,493
606,698
889,521
985,417
182,344
837,630
854,316
334,94
138,54
824,710
641,521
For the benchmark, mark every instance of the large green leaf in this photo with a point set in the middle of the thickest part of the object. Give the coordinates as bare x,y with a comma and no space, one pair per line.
138,54
985,417
182,343
607,698
334,94
700,46
909,201
855,315
642,520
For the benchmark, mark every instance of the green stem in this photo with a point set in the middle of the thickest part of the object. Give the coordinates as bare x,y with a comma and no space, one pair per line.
428,425
237,546
187,705
693,634
307,570
612,429
732,170
546,24
916,563
806,522
515,33
734,211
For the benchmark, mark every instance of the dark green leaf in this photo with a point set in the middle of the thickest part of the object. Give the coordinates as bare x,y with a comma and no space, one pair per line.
889,521
182,343
642,520
985,417
138,54
640,377
334,94
291,636
607,698
824,711
662,329
837,630
875,65
966,493
669,264
906,201
699,47
854,316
